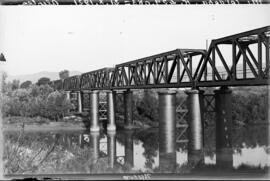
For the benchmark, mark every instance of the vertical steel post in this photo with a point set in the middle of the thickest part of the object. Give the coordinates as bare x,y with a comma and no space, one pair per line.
194,119
111,144
94,116
167,121
111,111
128,109
129,149
79,99
223,98
94,145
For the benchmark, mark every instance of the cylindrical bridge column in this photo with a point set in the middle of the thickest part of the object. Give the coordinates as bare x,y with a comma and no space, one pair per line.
128,109
194,120
111,111
68,98
68,94
223,98
111,148
167,121
79,99
94,112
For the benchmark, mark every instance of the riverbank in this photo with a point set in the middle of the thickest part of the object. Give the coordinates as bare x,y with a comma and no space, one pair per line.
72,123
80,123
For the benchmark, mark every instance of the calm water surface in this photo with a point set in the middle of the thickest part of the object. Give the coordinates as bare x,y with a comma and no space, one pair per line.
131,152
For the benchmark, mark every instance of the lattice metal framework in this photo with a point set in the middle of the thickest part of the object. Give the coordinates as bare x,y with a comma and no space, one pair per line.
102,107
209,102
243,59
170,69
99,79
72,83
181,123
238,60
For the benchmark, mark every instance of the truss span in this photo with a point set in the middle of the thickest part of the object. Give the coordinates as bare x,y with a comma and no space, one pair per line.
237,60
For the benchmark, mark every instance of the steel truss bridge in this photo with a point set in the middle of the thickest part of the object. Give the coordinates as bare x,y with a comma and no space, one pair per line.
237,60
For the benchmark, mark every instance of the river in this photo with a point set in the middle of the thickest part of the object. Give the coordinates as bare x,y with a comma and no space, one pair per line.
82,152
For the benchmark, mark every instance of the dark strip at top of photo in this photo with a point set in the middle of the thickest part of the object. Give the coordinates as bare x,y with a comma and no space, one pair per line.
130,2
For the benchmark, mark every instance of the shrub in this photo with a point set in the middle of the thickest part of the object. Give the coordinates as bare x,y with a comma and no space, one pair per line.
35,101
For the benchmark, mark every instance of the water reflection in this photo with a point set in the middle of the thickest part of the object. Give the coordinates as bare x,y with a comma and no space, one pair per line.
129,152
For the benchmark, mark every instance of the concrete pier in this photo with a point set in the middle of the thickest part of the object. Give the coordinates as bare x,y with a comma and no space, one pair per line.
128,104
94,145
224,158
194,119
167,121
223,99
94,113
79,99
196,157
167,162
111,111
111,144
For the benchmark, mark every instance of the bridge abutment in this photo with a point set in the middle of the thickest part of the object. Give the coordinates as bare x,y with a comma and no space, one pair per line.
94,112
111,111
167,121
128,99
223,99
195,130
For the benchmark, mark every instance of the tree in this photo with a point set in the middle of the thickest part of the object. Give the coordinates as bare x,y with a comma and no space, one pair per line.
25,84
15,84
3,83
64,74
43,81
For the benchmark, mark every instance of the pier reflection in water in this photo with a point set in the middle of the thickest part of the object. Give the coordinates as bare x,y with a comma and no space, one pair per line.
131,152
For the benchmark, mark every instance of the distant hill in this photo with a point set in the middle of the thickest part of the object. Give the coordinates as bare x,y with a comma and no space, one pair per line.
34,77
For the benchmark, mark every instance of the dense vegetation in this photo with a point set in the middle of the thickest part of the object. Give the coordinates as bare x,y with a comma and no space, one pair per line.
33,100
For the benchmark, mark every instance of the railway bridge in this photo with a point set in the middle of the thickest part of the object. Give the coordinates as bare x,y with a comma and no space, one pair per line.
237,60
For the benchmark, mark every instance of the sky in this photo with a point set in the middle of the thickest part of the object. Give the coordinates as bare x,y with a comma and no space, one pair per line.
86,38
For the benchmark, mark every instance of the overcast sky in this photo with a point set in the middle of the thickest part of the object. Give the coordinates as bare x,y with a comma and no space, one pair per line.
86,38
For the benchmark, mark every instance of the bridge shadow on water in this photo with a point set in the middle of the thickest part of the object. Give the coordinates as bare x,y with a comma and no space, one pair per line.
82,152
